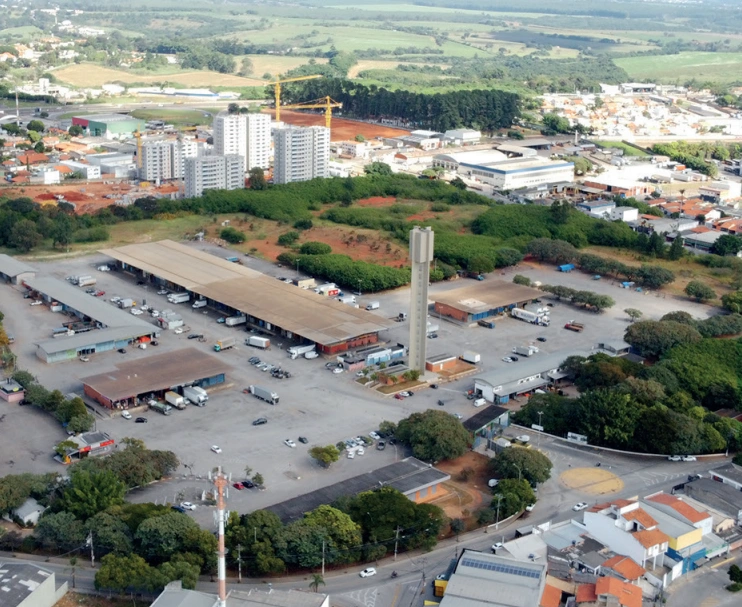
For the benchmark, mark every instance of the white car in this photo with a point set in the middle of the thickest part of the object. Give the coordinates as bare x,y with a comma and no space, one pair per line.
507,359
351,454
136,312
360,451
188,505
162,292
689,458
177,331
289,443
374,435
368,572
674,458
126,415
530,507
492,483
496,546
580,506
458,416
216,449
38,302
337,370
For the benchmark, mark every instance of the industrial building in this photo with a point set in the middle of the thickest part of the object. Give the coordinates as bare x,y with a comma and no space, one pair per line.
140,380
269,304
28,585
99,327
110,126
530,374
120,166
483,299
83,169
300,153
89,444
515,173
213,173
453,160
15,271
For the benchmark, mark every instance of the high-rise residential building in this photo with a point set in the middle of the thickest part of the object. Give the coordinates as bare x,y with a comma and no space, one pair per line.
300,153
258,141
230,135
213,173
163,159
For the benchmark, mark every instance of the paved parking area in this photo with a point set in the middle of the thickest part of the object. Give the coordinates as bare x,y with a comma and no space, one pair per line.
314,403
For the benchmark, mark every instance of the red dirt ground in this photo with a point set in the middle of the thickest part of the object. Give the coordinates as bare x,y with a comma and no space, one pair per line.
88,197
341,129
465,498
377,201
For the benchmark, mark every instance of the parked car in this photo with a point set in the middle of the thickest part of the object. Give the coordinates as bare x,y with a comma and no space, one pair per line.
507,359
121,350
253,360
514,359
260,421
248,484
162,292
188,505
126,415
100,293
689,458
381,445
178,509
84,359
216,449
399,396
540,339
38,302
303,440
530,507
374,435
140,420
195,336
579,506
368,572
496,546
351,454
238,486
458,416
674,458
289,443
337,370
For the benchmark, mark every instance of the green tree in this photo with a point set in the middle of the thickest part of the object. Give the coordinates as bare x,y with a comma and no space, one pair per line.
60,532
513,496
377,169
520,463
161,537
519,279
554,122
360,138
257,179
288,238
607,417
121,573
315,248
459,183
75,130
727,244
342,532
559,211
317,581
433,435
92,492
81,423
35,125
39,147
699,291
655,338
305,224
24,236
258,479
732,302
633,314
246,67
62,230
326,456
480,265
232,235
111,533
676,250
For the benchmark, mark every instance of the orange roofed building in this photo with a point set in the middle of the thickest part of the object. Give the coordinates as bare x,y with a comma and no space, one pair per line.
609,591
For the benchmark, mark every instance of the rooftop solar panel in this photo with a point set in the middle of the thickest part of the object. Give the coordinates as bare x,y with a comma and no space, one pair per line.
500,568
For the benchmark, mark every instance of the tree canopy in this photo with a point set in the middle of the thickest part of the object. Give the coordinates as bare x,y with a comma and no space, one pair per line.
433,435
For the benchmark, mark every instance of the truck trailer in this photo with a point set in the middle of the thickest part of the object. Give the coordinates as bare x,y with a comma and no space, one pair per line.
175,399
531,317
297,351
86,281
224,344
233,321
177,298
160,407
196,395
574,326
471,357
264,394
372,305
258,342
525,350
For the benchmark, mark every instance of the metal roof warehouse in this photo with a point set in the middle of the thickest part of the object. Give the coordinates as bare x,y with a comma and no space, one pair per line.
269,303
154,375
483,299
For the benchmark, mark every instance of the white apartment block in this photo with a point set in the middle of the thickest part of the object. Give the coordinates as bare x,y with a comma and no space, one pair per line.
230,135
164,159
301,153
213,173
258,141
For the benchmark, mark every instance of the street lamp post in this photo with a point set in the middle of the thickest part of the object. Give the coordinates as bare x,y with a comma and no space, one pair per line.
540,413
520,472
497,521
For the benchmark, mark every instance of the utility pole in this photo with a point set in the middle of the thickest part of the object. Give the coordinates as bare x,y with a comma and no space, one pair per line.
255,533
92,552
499,499
239,564
323,558
540,413
396,541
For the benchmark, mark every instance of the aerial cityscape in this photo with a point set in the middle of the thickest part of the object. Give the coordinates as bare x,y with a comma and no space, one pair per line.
382,304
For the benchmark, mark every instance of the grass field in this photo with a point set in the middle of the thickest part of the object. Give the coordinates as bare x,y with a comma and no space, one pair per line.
89,75
23,32
175,117
371,64
274,65
720,67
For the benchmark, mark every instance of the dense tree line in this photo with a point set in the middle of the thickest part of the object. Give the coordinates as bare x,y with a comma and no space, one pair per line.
487,110
587,299
698,156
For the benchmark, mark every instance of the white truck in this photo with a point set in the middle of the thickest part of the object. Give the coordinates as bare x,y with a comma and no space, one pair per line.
199,303
258,342
264,394
471,357
175,399
233,321
372,305
526,315
347,299
177,298
196,395
297,351
432,328
86,281
525,350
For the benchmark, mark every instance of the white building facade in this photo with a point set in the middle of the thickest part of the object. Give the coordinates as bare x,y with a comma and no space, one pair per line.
516,173
213,173
230,135
165,159
258,141
301,153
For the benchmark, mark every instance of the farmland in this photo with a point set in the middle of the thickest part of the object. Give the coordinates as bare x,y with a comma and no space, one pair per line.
719,67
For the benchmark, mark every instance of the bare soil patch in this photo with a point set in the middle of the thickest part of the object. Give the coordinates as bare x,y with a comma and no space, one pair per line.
341,129
464,498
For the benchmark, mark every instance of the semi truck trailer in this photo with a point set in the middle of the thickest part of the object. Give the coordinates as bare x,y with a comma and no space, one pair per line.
264,394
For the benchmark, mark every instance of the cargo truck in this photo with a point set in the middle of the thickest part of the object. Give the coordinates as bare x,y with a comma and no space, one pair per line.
176,298
233,321
200,303
574,326
348,299
432,328
486,323
258,342
196,395
175,399
372,305
126,303
86,281
263,394
160,407
471,357
297,351
224,344
525,350
532,317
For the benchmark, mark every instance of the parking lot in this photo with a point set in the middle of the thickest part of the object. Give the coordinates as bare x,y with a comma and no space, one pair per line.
314,402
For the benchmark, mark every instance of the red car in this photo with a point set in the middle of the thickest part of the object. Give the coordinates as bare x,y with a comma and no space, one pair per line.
399,397
100,293
238,486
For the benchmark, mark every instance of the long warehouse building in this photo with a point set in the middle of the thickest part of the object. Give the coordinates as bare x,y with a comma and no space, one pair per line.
272,305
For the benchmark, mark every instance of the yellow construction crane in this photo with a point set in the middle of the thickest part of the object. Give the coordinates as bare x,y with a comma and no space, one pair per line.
138,135
323,102
277,88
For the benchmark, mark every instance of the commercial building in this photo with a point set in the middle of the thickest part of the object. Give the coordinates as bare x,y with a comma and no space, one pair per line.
89,444
490,580
103,327
717,496
213,173
462,137
230,135
483,299
14,271
300,153
11,391
415,479
120,166
28,585
164,159
84,170
269,304
516,173
532,373
486,423
258,141
110,126
143,379
729,474
453,160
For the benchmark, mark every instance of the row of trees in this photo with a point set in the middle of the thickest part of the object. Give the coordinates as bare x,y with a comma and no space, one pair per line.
587,299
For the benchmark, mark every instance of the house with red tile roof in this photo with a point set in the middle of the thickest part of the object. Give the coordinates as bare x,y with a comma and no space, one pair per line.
552,596
30,158
609,591
676,507
624,567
